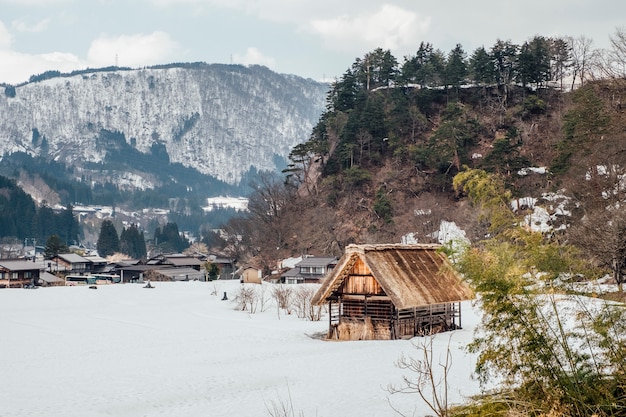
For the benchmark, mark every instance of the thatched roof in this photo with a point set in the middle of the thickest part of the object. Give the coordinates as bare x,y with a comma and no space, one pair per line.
411,275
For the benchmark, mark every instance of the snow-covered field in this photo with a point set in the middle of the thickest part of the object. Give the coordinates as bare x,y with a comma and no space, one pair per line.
179,350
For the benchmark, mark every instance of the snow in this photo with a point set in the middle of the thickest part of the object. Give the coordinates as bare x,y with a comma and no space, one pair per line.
537,170
452,235
237,203
216,119
544,219
180,350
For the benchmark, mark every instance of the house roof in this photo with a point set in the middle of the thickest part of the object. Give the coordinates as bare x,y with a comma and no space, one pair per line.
49,278
96,259
293,272
72,258
19,265
316,261
180,273
410,275
184,261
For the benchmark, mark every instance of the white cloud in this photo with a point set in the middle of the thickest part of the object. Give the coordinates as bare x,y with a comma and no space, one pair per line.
5,37
132,50
22,66
254,56
22,26
17,67
390,27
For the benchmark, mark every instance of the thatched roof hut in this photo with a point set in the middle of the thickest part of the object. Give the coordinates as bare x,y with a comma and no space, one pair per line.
396,290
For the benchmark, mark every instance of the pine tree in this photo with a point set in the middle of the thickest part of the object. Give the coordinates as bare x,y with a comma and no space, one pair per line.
108,241
169,238
132,242
54,246
481,67
456,67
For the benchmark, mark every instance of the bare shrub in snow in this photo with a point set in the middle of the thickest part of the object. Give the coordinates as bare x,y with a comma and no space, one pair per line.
263,297
283,295
215,289
282,407
428,379
247,299
303,306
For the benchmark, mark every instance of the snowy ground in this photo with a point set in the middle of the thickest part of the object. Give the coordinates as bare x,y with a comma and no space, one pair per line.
178,350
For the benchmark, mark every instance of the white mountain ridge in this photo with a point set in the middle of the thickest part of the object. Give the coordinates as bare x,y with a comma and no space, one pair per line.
219,119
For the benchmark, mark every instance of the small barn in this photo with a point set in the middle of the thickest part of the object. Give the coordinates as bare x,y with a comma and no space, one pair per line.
392,291
251,275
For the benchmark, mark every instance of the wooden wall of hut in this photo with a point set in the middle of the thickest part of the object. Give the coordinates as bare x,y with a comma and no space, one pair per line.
361,281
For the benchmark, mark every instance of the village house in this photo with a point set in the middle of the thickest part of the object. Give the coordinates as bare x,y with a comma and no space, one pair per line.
311,269
97,264
225,266
174,274
16,273
69,263
392,291
177,260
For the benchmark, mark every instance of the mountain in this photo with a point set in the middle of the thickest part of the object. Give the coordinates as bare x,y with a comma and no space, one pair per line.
184,126
381,163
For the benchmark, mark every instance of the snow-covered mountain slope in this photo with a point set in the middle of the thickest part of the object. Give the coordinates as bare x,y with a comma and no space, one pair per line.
218,119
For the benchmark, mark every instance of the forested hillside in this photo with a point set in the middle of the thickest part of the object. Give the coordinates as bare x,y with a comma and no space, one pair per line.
379,164
138,137
20,219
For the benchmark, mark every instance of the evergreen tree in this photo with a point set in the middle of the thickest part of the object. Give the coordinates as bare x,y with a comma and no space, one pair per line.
533,62
456,67
382,206
69,228
16,210
561,54
132,242
426,68
44,222
481,67
212,269
54,246
504,54
169,239
108,241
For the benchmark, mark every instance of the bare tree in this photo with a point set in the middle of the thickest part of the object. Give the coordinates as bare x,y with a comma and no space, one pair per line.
611,63
428,379
10,247
303,306
364,139
599,195
283,295
247,299
617,53
581,54
271,214
602,234
196,248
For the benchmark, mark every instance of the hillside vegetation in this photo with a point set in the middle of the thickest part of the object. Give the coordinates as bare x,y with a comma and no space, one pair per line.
380,162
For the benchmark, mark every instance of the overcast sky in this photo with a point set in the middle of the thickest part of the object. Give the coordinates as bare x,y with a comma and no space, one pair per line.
319,39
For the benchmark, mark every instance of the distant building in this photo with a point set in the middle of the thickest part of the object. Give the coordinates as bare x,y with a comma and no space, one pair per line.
310,269
251,275
15,273
70,263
